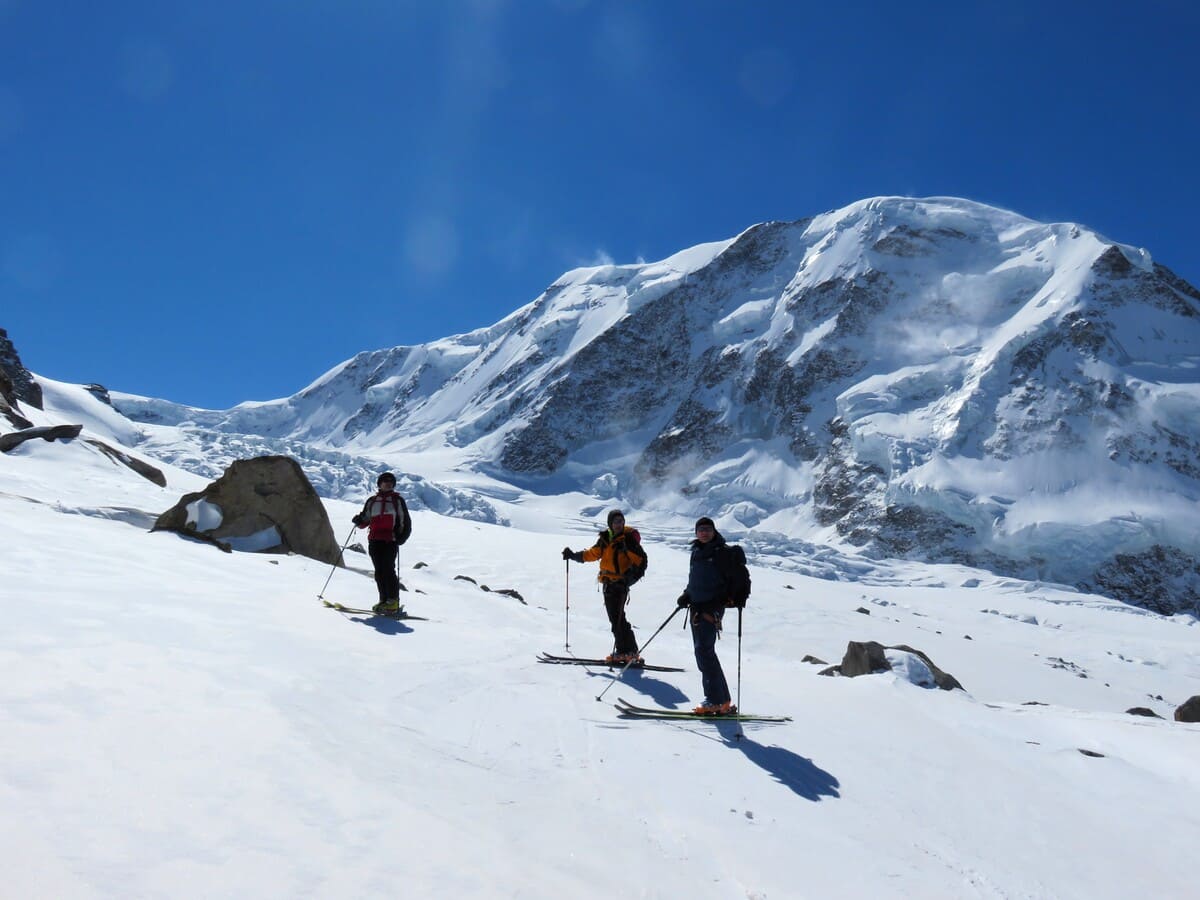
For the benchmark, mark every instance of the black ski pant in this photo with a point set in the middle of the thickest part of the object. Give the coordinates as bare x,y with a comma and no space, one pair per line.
706,626
383,555
616,594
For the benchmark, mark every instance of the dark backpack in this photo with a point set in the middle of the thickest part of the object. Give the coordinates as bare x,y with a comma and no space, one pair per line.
404,526
737,576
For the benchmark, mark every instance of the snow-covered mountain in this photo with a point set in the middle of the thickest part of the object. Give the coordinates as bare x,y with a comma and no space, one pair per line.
189,723
930,378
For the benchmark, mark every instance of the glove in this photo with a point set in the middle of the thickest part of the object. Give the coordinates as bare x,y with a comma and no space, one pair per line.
684,601
735,604
567,554
360,520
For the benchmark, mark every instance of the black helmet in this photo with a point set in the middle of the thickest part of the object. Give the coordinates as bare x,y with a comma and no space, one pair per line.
386,476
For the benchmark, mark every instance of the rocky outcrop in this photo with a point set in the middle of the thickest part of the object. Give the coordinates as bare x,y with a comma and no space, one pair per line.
9,403
24,387
147,471
1162,579
15,439
262,505
867,657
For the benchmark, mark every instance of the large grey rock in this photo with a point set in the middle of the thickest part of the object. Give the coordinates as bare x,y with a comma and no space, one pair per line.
866,657
261,505
1189,711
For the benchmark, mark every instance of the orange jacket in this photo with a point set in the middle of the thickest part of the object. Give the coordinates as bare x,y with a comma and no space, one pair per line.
618,553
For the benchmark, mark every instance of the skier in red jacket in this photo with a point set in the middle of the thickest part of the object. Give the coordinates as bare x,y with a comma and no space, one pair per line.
386,514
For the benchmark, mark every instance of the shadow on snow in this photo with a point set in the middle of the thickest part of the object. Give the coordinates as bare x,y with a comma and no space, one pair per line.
661,692
802,776
383,624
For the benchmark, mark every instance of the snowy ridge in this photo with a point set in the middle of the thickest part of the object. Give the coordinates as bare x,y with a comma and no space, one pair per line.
934,379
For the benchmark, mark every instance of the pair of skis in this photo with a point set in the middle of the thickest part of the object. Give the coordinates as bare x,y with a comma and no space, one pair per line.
553,660
629,711
370,612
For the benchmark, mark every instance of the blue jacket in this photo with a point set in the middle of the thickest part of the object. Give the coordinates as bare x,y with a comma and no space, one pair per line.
707,582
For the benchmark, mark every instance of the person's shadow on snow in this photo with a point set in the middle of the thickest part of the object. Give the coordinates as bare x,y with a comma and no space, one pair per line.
793,771
383,624
637,680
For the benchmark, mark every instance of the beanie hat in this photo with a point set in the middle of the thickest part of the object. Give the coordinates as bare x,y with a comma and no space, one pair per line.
613,514
386,476
705,520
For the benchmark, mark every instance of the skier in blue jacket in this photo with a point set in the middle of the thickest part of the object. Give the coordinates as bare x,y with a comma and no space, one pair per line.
708,594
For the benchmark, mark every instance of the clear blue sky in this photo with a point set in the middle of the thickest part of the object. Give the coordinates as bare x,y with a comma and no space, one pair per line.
218,201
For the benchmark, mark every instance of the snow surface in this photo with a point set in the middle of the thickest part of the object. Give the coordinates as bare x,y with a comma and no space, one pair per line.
182,722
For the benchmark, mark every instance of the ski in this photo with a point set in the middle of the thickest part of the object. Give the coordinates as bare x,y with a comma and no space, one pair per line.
573,661
370,612
629,711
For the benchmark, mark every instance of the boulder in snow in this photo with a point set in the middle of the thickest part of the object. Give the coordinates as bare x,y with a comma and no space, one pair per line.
1190,711
866,657
261,505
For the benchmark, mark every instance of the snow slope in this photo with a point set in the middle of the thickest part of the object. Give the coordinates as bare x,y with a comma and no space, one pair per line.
181,722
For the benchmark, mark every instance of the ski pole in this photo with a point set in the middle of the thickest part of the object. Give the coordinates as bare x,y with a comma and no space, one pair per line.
567,633
345,544
644,646
739,672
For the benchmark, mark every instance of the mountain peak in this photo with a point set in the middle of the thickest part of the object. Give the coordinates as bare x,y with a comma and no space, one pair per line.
931,377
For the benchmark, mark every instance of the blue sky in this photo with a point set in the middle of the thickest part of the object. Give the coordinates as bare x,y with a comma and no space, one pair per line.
216,202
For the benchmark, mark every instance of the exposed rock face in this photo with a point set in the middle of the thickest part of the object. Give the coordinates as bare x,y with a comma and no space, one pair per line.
9,402
1163,579
264,504
23,385
1189,711
866,657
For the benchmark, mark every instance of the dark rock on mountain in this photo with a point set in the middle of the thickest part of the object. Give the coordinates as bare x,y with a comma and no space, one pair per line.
14,439
24,387
100,392
1163,579
9,403
259,505
147,471
1146,712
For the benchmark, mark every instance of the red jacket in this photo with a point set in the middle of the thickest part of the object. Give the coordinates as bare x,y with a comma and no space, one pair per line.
387,516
